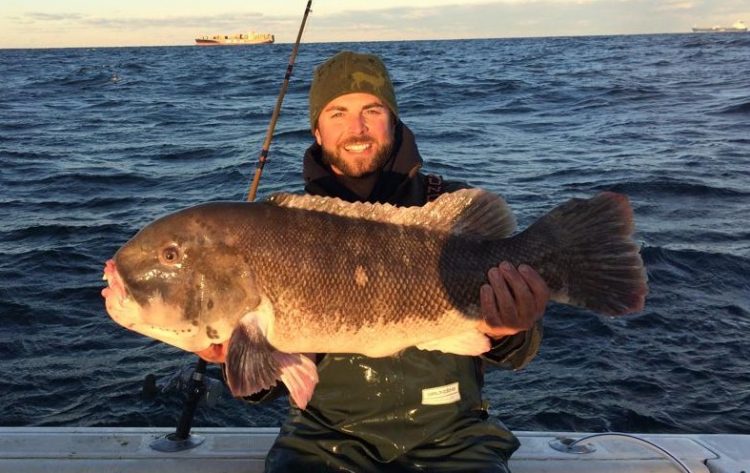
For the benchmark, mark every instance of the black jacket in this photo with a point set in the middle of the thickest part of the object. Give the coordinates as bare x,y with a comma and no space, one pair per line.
381,401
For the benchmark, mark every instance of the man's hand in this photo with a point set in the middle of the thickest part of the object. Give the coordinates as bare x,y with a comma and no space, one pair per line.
513,301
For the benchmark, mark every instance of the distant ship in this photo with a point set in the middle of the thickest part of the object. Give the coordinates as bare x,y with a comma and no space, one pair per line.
737,27
235,39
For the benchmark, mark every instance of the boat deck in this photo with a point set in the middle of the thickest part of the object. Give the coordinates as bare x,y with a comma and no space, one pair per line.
230,450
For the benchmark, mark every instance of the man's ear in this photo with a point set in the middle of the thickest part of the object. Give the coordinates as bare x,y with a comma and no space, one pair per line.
317,136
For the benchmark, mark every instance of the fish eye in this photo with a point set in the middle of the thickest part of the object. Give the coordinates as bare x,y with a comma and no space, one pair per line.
170,255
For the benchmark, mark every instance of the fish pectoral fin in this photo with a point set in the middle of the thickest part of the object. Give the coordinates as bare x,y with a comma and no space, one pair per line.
300,375
469,342
251,364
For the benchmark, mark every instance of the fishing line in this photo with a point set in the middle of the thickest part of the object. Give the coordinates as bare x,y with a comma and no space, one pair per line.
568,445
275,116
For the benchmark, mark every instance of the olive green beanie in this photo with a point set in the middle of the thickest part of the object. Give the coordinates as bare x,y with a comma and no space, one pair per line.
348,72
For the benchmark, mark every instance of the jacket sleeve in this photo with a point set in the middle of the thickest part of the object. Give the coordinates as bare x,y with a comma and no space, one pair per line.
453,186
515,351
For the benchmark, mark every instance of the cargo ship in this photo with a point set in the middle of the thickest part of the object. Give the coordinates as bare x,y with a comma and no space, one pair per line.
238,39
737,27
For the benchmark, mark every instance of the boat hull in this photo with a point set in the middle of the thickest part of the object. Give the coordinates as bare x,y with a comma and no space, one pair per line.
240,39
205,42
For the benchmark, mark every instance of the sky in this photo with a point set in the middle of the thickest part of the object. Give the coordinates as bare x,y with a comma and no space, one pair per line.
98,23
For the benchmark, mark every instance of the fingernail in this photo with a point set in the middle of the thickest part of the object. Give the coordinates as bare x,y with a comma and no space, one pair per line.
505,265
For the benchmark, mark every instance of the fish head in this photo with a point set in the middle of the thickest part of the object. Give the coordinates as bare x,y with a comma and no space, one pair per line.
181,280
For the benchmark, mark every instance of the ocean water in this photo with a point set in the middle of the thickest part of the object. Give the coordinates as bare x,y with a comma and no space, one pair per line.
95,143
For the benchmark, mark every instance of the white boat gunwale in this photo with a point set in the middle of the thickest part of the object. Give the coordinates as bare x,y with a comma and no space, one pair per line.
229,450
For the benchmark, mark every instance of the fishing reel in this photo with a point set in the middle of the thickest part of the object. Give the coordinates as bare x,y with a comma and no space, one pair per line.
182,381
199,389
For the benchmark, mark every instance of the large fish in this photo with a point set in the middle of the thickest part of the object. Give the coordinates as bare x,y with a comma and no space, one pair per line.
305,274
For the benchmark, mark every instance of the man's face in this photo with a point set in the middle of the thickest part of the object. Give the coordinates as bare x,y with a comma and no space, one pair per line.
356,133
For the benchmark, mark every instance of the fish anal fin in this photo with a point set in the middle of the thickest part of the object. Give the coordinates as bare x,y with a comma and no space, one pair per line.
468,342
299,374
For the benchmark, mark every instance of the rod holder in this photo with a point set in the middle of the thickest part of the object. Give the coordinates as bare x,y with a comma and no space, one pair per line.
181,439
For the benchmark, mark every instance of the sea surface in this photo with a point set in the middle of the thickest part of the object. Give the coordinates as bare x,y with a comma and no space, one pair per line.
95,143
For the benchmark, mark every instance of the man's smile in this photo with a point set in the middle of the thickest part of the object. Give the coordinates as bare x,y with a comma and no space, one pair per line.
358,147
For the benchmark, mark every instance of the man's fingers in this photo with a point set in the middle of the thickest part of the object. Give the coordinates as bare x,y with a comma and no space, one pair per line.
536,285
488,305
492,323
503,298
513,301
522,298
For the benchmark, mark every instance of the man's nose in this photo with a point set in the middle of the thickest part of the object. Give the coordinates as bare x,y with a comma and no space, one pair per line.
357,124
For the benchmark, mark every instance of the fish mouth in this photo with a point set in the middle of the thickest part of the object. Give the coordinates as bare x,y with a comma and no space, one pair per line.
115,291
127,312
115,294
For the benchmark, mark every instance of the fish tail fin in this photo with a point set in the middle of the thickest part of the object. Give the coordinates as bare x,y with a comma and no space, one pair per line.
601,265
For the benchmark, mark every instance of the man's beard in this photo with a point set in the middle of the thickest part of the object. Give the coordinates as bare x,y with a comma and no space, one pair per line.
355,167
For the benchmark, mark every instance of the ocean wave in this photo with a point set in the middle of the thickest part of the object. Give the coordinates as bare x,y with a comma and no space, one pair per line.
18,125
627,92
76,209
591,103
48,237
73,180
717,279
297,134
189,154
669,186
697,42
742,108
693,262
737,40
85,77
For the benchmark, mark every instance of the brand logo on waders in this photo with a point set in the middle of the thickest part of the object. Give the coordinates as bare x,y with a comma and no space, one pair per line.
441,395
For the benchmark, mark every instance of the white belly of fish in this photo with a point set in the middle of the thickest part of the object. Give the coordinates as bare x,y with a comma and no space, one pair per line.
453,332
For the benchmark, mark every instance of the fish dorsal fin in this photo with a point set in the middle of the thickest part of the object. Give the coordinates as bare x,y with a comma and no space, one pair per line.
468,212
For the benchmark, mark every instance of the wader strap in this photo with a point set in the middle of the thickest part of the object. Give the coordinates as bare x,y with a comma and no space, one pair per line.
435,187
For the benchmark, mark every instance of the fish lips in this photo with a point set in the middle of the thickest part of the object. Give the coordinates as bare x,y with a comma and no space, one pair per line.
156,319
115,290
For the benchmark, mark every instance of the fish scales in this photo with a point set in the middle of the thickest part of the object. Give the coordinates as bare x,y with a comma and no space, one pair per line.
335,282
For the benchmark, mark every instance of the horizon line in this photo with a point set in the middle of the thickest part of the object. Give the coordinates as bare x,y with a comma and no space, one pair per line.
241,46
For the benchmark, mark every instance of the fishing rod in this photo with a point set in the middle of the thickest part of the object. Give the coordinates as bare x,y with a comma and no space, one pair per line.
182,439
275,116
